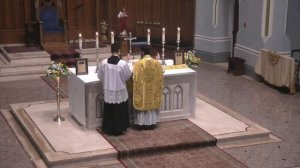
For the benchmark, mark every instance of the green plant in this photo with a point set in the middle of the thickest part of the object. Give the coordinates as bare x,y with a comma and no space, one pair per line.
57,70
191,60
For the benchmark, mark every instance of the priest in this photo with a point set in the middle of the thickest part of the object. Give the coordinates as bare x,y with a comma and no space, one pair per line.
147,90
113,74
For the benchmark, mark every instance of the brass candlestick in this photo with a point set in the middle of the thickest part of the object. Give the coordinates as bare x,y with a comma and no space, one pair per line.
98,60
163,52
178,42
58,117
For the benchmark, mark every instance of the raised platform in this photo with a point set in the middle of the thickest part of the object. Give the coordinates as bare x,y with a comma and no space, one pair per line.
61,144
69,145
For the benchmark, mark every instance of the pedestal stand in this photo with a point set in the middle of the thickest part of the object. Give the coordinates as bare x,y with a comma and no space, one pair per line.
58,117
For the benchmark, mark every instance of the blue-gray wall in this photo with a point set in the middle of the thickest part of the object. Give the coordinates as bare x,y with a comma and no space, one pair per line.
250,39
212,41
293,23
215,41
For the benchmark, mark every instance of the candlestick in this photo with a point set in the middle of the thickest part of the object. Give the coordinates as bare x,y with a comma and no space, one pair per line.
98,60
178,37
178,33
97,40
80,41
178,41
148,37
163,53
112,37
163,34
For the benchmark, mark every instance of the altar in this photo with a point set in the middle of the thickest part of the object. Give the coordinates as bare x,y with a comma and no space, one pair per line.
86,96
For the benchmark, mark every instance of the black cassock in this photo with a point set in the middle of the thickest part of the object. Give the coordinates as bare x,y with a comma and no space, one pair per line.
115,116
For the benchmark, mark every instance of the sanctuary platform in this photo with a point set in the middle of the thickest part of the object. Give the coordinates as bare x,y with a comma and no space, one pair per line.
67,144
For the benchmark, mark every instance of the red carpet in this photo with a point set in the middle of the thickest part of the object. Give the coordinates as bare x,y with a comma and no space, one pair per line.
172,144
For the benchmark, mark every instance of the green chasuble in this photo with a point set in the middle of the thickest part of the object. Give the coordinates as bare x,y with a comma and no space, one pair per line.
147,84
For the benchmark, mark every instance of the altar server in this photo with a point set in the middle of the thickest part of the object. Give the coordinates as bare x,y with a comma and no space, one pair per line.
113,74
147,90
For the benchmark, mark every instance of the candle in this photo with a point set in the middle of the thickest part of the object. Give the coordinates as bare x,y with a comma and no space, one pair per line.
148,36
112,37
97,40
163,34
178,34
80,41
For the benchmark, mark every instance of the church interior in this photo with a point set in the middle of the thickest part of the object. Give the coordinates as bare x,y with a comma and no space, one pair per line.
230,84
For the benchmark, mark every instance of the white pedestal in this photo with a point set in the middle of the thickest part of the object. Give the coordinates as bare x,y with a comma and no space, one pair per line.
86,96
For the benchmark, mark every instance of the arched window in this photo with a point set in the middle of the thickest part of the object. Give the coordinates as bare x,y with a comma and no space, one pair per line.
178,97
166,99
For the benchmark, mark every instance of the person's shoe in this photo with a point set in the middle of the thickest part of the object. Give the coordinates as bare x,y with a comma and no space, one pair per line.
137,127
149,127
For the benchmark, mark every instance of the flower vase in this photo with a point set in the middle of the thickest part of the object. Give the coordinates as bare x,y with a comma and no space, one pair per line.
58,117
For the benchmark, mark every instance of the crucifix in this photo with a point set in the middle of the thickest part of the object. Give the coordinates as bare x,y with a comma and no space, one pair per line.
130,38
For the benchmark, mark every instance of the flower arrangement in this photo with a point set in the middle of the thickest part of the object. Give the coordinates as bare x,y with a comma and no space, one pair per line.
57,70
191,60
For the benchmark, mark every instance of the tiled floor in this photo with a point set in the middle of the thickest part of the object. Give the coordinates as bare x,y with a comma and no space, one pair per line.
276,111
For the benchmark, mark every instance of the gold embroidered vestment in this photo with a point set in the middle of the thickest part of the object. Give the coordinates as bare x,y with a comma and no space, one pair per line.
147,84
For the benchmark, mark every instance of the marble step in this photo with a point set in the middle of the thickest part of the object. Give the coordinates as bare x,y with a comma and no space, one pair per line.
21,77
30,60
253,136
29,55
8,69
24,72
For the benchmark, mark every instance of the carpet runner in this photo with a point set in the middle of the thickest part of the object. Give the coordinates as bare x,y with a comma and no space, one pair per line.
172,144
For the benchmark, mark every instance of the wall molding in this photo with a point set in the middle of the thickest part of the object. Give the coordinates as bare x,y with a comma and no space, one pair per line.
212,39
213,57
246,49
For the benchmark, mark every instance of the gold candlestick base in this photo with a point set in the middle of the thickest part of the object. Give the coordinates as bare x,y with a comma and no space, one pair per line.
58,118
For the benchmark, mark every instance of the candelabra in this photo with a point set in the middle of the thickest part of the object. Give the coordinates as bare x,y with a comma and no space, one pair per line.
163,52
58,117
98,60
178,42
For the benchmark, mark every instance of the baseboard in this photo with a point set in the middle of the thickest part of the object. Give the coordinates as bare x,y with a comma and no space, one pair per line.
249,71
213,57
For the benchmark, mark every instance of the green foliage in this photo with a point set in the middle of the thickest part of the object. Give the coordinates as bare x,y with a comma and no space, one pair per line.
191,60
57,70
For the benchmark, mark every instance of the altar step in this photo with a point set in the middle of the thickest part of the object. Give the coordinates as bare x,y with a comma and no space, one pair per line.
32,65
55,46
50,37
24,66
22,72
74,152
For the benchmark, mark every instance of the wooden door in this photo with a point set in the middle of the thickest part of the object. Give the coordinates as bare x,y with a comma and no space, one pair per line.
156,28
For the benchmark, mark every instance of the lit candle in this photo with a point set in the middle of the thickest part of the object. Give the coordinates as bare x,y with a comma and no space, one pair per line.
148,36
112,37
97,40
80,41
178,34
163,34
